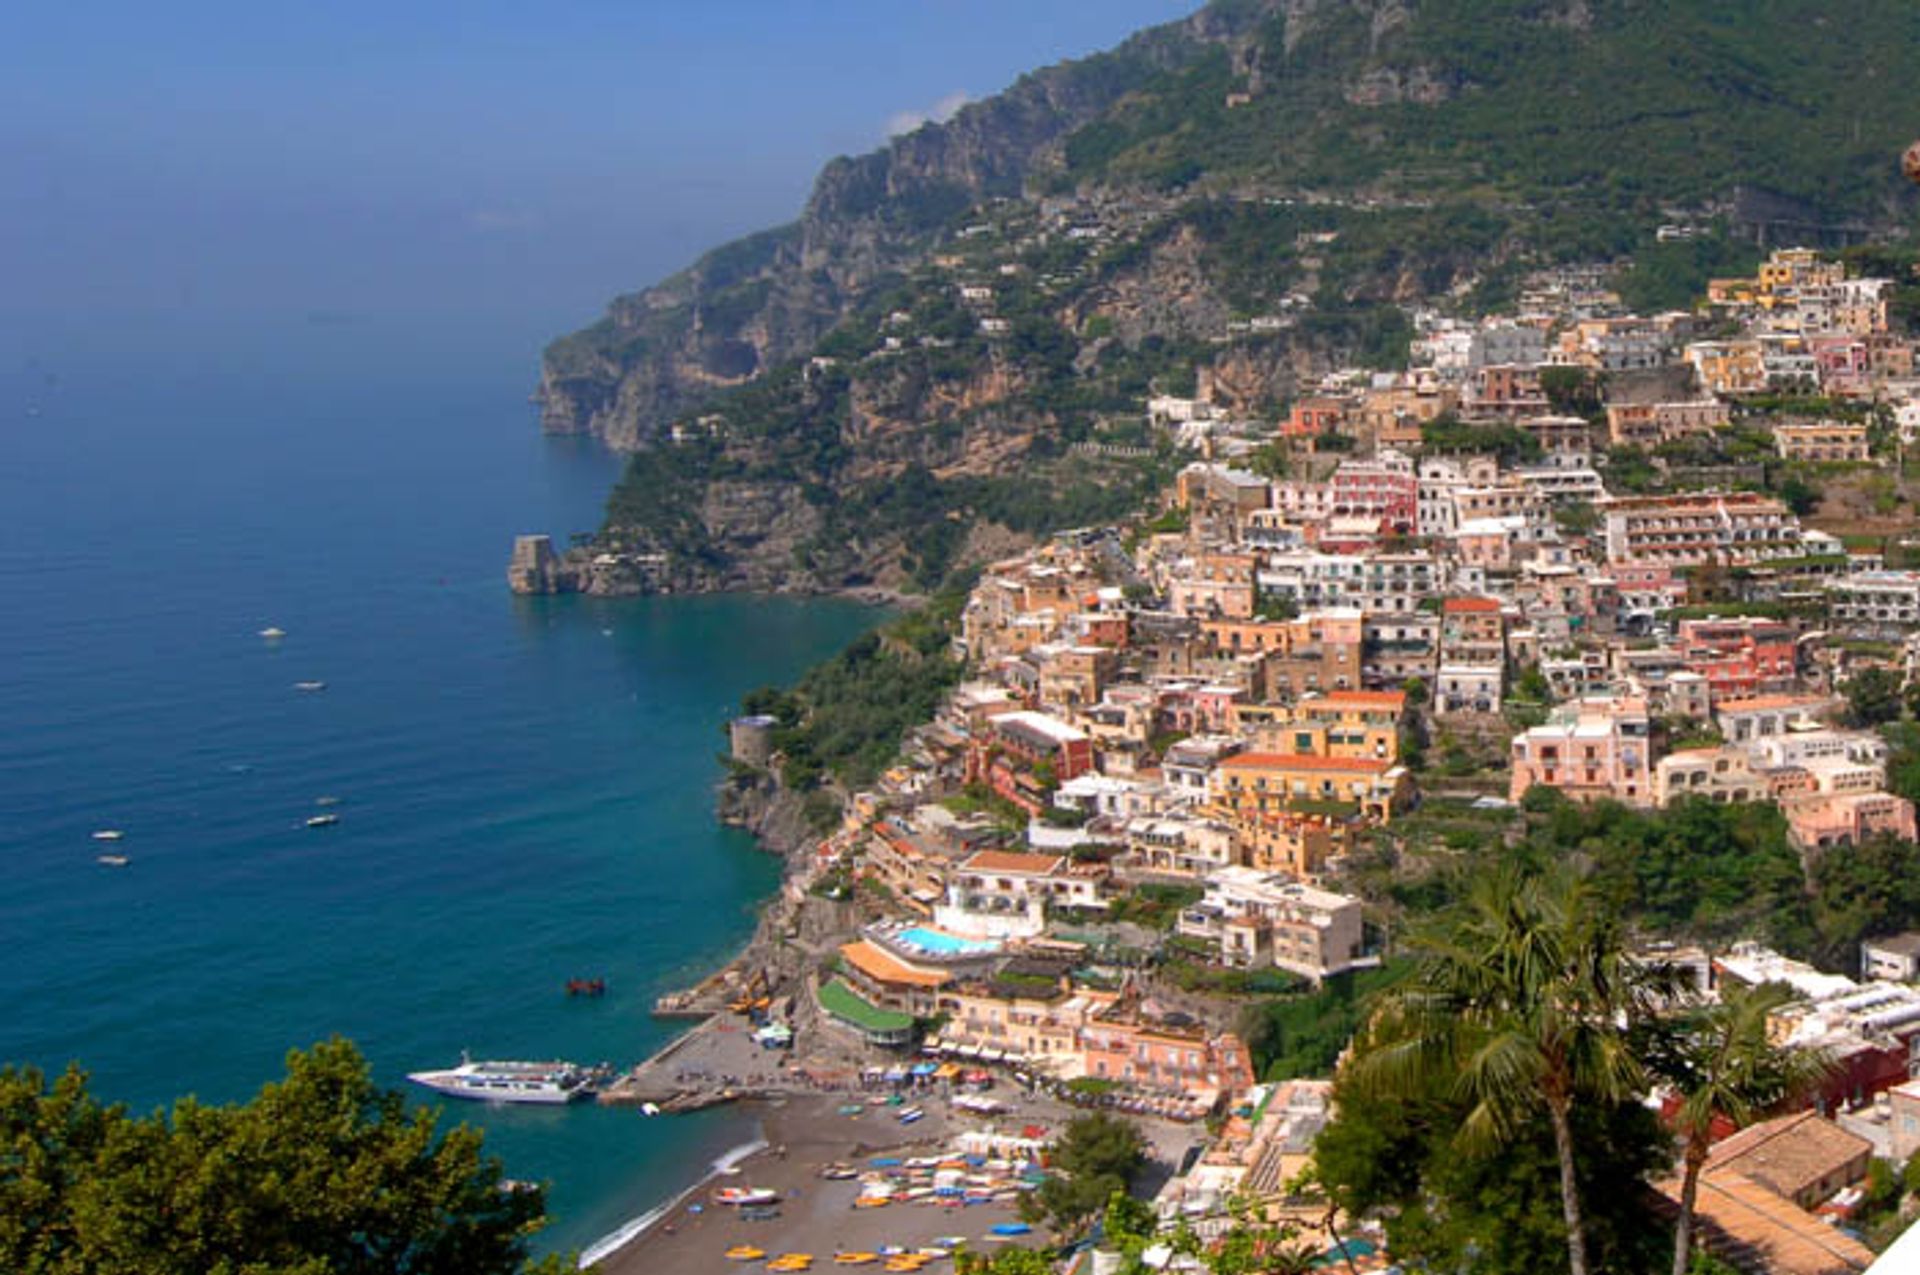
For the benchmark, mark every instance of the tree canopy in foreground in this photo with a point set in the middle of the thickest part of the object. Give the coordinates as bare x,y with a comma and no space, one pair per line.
323,1173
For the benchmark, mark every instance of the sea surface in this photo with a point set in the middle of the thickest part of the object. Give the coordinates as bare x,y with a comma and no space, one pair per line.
524,785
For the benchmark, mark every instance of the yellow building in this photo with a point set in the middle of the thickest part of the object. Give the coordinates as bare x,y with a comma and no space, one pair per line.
1251,784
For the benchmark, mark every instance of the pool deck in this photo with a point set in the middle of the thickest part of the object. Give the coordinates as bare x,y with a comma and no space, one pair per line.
946,948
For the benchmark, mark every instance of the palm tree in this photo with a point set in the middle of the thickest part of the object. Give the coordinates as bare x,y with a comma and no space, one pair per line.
1518,996
1718,1060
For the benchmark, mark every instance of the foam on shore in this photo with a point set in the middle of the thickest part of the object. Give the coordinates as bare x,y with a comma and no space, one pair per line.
614,1241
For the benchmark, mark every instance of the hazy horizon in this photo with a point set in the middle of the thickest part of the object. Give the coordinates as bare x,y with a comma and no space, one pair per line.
490,173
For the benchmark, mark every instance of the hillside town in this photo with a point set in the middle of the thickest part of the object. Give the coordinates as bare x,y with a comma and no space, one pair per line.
1549,561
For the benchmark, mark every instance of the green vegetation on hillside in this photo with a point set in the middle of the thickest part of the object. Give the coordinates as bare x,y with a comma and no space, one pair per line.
321,1174
1633,105
845,718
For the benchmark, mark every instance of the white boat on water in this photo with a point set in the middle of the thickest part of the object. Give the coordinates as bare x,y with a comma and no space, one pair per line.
273,634
309,686
112,860
539,1082
323,821
108,834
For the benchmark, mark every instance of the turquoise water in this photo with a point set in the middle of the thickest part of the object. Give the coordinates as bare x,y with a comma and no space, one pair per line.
941,943
525,784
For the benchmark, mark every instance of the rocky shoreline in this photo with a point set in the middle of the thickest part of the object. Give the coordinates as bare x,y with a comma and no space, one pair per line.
536,569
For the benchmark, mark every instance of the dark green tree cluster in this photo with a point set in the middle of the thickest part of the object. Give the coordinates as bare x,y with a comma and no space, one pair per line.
1510,443
1305,1035
322,1173
1491,1107
846,716
1095,1156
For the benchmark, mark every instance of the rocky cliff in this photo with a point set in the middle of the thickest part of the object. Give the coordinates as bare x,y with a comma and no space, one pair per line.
958,320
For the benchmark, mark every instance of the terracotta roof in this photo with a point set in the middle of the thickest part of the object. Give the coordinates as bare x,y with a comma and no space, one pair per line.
1770,703
1455,606
1305,761
1748,1225
1012,861
1370,699
1790,1154
883,966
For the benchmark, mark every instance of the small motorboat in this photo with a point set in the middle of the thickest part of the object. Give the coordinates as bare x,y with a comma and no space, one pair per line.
746,1196
322,821
586,987
112,860
309,686
108,834
326,801
910,1115
273,633
649,1108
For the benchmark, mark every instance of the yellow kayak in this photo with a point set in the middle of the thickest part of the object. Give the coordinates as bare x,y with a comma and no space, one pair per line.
855,1259
745,1253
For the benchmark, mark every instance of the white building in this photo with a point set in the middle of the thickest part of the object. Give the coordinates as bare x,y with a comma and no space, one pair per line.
1468,688
1261,918
1875,597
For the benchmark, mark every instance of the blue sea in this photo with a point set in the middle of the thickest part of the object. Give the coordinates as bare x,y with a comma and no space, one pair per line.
524,785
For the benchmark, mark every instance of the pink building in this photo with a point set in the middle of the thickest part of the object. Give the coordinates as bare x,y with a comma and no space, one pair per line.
1645,587
1122,1045
1740,657
1842,361
1593,748
1847,819
1216,584
1385,489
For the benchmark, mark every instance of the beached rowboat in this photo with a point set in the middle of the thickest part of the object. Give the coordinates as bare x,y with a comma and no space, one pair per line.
746,1196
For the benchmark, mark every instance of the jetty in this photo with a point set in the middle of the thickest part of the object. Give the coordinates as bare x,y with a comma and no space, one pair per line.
732,987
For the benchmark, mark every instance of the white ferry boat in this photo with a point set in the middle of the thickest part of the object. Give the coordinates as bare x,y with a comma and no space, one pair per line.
546,1082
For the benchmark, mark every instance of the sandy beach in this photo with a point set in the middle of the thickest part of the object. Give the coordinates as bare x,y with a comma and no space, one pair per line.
817,1216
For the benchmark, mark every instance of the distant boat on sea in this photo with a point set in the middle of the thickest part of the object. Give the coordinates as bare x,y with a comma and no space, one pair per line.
322,821
326,801
113,860
309,686
273,633
108,834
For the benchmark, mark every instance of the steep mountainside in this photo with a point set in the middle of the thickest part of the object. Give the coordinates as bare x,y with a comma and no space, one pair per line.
946,335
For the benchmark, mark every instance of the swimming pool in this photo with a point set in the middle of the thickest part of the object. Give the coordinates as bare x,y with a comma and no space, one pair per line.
940,943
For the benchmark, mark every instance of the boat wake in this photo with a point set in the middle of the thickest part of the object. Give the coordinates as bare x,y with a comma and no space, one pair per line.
616,1240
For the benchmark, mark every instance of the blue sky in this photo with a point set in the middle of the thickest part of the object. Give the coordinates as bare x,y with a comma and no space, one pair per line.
508,166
